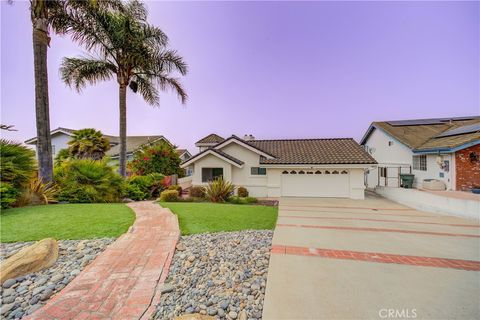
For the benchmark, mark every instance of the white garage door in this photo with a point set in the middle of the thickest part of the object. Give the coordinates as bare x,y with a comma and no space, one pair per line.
318,183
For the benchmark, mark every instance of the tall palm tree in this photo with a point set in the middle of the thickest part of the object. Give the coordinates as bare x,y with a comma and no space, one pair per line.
88,144
45,15
126,47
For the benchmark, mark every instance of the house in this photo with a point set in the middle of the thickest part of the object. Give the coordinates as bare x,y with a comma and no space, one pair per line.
286,167
446,149
61,136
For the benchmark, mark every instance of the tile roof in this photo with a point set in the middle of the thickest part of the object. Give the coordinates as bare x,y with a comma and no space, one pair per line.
313,151
211,139
427,134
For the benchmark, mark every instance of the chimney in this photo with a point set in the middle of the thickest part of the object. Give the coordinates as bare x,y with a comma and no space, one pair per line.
248,137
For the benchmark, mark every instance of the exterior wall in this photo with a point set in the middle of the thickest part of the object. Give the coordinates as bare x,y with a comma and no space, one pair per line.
467,171
434,171
59,142
357,186
400,156
210,161
255,184
393,156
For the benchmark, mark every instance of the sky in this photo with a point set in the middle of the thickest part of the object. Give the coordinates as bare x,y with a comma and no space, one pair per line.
271,69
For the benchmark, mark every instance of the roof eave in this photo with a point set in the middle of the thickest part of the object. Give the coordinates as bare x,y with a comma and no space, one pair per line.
446,149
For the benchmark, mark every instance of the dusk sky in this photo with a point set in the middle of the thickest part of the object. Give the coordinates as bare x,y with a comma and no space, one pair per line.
272,69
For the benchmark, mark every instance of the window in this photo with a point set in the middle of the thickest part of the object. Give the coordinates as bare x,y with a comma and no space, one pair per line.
301,172
293,172
390,143
210,174
327,172
420,162
53,149
285,172
335,172
256,171
383,172
345,172
318,172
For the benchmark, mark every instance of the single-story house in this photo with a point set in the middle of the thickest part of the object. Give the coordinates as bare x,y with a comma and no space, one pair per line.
61,136
284,167
446,149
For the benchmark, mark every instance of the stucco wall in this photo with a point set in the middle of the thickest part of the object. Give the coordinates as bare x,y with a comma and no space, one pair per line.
210,161
434,171
255,184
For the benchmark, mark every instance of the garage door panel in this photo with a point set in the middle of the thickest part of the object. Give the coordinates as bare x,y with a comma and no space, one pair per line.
315,185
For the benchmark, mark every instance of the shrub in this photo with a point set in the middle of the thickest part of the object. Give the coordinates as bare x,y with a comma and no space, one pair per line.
197,192
251,200
219,190
242,192
150,185
85,180
88,144
62,156
235,200
38,192
8,194
160,157
169,196
17,167
133,191
175,187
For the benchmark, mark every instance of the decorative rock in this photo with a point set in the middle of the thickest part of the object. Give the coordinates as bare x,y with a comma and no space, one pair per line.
194,316
242,315
38,256
46,294
10,282
181,247
6,308
191,258
232,315
166,288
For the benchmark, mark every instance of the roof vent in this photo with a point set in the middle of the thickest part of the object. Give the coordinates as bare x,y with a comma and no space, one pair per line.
248,137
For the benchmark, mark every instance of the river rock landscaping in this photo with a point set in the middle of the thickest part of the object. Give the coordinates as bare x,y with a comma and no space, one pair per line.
218,274
25,294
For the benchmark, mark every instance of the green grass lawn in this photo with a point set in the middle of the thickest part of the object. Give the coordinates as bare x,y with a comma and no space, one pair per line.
213,217
65,221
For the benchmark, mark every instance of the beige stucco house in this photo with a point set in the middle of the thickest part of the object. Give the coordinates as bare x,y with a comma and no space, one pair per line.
274,168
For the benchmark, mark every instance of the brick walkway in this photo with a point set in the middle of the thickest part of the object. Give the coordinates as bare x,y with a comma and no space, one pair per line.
124,281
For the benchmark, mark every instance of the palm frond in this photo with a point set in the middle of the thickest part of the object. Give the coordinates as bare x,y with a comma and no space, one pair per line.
77,72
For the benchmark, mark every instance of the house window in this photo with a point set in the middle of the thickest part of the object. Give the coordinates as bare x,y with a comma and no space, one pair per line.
210,174
383,172
53,149
420,162
256,171
285,172
301,172
390,143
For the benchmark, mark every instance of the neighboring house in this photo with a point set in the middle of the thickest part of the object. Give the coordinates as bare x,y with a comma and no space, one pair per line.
61,136
274,168
184,156
447,149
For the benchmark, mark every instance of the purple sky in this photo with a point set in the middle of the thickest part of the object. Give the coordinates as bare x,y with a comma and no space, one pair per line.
273,69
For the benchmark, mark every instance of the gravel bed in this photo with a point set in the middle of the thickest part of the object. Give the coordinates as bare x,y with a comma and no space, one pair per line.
24,295
220,274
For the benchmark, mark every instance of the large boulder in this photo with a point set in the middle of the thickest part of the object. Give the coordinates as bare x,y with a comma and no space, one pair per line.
194,316
38,256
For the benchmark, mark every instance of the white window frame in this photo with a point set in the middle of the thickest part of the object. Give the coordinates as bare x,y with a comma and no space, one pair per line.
419,162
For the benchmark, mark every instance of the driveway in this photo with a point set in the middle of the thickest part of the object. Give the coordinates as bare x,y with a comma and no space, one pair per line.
371,259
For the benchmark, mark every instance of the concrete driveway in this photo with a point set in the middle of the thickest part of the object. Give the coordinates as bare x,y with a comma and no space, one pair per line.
371,259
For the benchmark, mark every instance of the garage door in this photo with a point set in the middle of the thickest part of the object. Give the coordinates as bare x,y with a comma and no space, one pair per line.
319,183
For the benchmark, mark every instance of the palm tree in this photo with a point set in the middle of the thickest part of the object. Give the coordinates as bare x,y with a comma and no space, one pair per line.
127,48
88,144
45,15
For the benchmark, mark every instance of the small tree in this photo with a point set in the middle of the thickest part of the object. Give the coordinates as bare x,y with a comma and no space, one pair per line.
160,157
88,144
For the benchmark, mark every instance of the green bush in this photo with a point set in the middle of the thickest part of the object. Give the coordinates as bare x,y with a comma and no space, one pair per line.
17,167
250,200
133,191
219,190
175,187
169,196
8,194
85,181
197,192
150,185
242,192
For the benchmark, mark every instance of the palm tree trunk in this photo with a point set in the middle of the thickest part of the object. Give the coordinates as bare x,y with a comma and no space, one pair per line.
123,130
44,146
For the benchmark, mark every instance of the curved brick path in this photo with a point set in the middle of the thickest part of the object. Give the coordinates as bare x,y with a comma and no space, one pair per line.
124,281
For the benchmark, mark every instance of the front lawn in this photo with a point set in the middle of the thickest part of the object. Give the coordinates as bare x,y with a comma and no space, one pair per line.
65,221
214,217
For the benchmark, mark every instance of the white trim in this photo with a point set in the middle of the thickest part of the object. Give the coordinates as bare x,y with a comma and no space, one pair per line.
193,160
243,144
318,166
58,130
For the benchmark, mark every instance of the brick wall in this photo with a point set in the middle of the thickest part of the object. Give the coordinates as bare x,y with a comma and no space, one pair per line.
467,171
